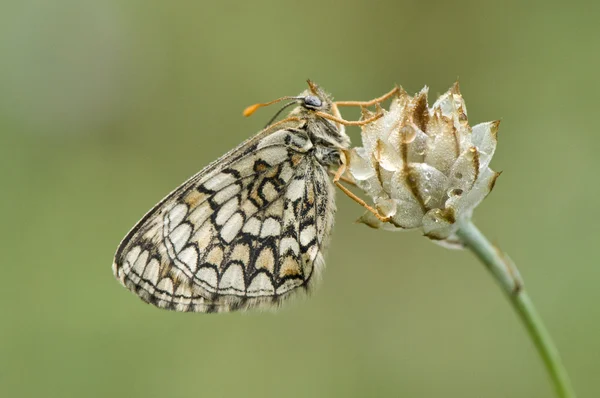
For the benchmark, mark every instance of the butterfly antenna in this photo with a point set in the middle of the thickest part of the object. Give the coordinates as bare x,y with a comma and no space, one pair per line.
279,112
253,108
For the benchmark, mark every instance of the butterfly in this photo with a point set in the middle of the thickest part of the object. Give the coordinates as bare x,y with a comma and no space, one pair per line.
251,228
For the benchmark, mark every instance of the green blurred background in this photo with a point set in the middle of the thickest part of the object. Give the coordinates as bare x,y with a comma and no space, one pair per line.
105,106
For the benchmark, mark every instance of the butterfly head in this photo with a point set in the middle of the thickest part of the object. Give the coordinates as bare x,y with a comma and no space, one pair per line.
313,99
314,106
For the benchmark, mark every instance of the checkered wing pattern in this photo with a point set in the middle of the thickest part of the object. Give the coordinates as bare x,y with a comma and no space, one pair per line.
247,231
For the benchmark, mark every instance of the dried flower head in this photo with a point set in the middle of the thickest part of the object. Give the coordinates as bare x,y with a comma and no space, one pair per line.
425,167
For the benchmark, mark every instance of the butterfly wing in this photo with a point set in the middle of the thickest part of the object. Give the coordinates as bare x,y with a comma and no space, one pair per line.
246,231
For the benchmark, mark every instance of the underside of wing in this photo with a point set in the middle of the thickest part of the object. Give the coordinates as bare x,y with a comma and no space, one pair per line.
247,231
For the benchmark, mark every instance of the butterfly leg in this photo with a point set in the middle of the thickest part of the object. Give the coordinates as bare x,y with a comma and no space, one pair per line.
374,101
336,113
347,180
336,180
348,122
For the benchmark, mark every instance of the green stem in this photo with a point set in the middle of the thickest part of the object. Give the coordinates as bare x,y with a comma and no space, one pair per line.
507,275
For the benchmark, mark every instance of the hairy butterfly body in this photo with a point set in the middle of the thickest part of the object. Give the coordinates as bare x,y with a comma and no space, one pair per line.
248,230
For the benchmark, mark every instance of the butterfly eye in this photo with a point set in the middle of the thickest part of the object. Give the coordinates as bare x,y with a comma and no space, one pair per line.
312,102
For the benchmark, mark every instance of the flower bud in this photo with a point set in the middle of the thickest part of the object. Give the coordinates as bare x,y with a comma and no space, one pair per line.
424,167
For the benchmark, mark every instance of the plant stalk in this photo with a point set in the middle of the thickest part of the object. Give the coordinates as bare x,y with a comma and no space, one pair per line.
506,274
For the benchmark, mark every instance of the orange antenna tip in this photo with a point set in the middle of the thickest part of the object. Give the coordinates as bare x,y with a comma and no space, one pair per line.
251,109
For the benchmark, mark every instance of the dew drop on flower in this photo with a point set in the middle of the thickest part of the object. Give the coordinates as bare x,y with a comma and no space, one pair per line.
386,206
386,185
359,167
407,134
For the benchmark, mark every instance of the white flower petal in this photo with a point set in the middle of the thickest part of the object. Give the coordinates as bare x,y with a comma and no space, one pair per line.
445,104
464,172
443,149
372,187
413,138
388,157
439,224
484,138
370,220
385,177
419,183
483,186
370,134
399,103
391,119
408,214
